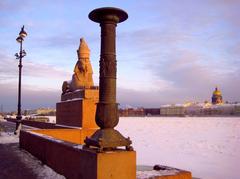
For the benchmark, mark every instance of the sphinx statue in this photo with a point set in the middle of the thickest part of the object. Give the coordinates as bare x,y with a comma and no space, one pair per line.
79,95
82,77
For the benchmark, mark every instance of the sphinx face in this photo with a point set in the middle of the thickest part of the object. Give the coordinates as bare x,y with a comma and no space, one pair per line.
82,66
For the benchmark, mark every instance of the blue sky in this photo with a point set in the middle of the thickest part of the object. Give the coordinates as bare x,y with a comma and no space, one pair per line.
167,51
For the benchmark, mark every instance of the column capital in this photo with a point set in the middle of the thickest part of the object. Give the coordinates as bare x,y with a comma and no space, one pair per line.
108,14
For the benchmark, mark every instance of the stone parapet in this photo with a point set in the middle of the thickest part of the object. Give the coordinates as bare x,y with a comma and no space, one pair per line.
70,160
40,125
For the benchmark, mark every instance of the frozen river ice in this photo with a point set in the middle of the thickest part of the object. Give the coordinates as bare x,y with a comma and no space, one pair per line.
207,146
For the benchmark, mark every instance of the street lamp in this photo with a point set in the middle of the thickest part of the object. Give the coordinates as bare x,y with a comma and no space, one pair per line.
20,55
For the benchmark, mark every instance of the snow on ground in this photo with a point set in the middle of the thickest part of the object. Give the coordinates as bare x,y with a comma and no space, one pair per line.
8,137
42,171
9,142
52,119
32,163
206,146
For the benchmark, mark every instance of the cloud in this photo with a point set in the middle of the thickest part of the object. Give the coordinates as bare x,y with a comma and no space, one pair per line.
44,70
137,98
230,86
9,8
57,41
192,46
183,68
170,52
12,6
31,97
43,90
9,69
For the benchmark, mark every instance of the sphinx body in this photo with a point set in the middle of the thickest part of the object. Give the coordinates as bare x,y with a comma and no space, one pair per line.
82,77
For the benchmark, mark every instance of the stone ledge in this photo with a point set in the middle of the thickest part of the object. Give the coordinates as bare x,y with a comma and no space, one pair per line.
85,93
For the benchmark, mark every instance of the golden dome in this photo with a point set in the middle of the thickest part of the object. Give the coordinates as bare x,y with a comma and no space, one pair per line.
217,92
83,50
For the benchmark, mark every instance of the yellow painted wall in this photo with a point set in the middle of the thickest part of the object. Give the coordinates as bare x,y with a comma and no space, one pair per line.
70,135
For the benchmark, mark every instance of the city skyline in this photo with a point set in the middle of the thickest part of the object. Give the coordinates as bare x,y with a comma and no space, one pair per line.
167,52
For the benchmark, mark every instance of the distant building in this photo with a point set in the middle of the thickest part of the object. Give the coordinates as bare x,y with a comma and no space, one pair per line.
236,110
46,111
152,111
172,110
217,97
200,109
216,108
131,112
40,112
194,109
139,112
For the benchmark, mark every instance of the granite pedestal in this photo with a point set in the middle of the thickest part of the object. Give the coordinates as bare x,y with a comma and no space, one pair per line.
78,108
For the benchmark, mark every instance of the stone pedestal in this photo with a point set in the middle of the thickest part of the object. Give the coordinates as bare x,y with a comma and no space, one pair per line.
117,165
78,108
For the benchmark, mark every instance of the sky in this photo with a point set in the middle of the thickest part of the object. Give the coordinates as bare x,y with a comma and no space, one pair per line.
168,51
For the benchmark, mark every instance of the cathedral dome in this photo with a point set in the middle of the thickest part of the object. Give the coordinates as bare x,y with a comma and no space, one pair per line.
217,92
217,97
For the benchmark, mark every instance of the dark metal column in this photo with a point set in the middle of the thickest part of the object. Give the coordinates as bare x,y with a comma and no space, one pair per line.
107,138
19,113
20,55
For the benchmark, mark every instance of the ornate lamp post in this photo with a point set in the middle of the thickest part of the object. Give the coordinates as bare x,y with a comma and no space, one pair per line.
20,55
107,138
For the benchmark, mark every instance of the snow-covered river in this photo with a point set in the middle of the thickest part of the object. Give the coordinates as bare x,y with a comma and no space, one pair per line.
207,146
